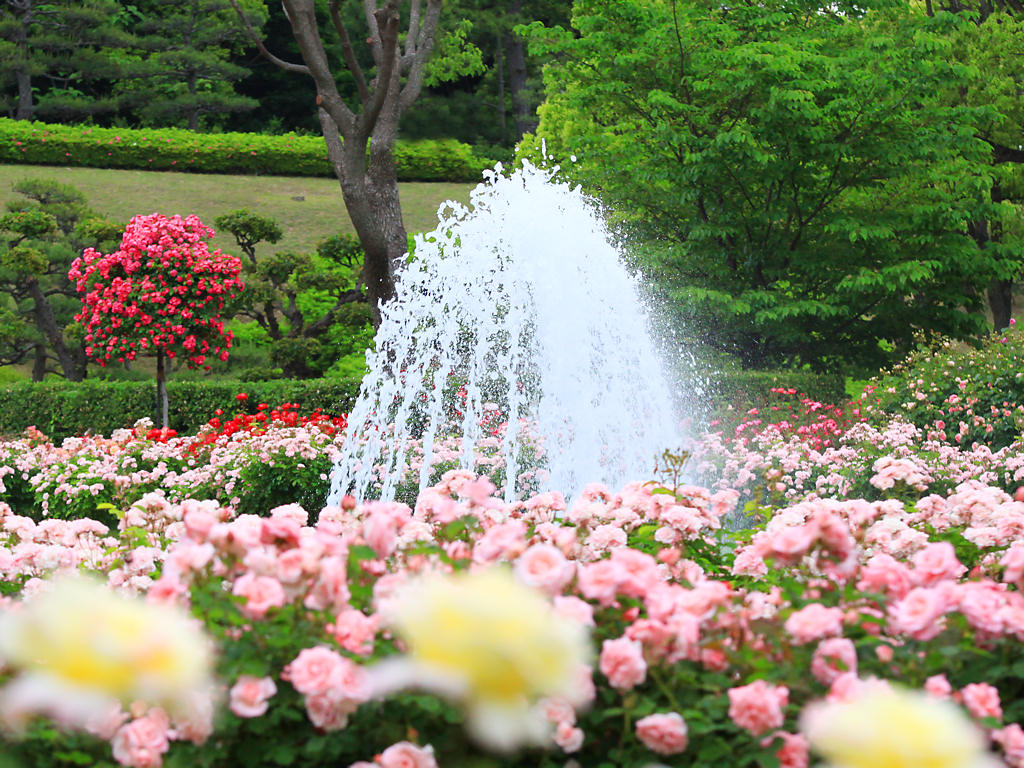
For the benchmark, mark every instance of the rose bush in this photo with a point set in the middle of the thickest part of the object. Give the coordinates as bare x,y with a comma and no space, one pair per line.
886,557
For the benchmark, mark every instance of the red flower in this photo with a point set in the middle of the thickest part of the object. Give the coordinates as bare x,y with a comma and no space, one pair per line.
241,397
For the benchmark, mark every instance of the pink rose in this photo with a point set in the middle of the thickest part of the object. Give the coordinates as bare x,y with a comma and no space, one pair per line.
328,714
982,700
665,734
600,581
381,533
1011,739
570,607
142,742
315,671
757,707
833,657
544,566
935,562
354,631
938,686
568,737
249,695
1013,561
794,750
622,662
814,622
919,613
639,571
404,754
261,593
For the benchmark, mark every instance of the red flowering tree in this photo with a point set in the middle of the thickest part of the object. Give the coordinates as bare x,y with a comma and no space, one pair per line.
163,292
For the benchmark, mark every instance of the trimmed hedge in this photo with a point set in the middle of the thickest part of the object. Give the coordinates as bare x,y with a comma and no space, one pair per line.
64,409
743,390
173,149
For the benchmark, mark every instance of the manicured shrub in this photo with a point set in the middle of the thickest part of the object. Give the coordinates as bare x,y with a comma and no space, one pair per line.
171,149
62,409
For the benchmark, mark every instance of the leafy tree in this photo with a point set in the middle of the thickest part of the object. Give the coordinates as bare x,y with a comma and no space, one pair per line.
163,291
990,46
57,57
800,185
298,299
188,58
45,230
360,133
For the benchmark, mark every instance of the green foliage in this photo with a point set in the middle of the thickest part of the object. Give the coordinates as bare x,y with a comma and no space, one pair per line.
737,392
974,392
61,409
169,149
800,182
302,303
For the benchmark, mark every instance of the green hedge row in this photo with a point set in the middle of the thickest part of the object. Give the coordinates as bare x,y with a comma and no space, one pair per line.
743,390
173,149
63,409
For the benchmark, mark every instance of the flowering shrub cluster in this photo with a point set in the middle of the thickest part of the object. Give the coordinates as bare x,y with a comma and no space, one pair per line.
963,394
763,646
163,289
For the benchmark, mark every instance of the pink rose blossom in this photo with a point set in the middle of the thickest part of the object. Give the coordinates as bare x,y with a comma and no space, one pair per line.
568,737
936,562
404,754
544,566
142,742
261,593
814,622
665,734
758,707
982,700
938,686
622,662
250,695
833,657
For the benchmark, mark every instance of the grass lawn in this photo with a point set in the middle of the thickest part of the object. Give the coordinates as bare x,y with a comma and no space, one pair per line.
308,209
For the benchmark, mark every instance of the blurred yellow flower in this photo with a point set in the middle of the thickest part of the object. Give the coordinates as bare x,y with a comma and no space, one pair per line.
495,643
77,638
887,727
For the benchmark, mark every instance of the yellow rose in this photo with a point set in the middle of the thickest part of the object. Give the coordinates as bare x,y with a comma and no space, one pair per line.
76,637
495,643
885,727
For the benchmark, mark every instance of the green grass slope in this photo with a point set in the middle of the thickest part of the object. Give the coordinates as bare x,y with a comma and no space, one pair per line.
309,209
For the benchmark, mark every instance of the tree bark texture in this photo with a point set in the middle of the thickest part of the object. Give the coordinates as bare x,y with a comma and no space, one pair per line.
161,387
46,322
361,139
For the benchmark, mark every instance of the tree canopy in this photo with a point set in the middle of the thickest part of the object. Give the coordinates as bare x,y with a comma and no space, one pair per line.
800,180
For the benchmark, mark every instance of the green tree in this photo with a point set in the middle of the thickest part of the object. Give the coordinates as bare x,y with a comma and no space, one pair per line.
299,300
43,233
57,58
798,181
188,50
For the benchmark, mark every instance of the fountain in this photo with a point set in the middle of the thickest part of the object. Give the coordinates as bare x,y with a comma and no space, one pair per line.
514,319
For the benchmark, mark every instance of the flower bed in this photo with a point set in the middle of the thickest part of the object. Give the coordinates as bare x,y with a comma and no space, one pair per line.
708,645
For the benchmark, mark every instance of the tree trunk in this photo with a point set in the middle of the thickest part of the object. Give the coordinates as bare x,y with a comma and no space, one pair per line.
26,107
46,322
369,186
499,66
1000,301
522,114
39,363
161,388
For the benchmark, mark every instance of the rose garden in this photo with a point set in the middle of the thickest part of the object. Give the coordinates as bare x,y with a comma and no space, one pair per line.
691,435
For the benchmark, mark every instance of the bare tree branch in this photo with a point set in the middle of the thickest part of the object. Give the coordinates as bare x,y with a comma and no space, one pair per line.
387,23
302,15
285,65
349,53
424,46
414,25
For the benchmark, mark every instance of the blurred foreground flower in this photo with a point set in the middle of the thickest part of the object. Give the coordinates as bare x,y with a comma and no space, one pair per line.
80,647
494,644
894,728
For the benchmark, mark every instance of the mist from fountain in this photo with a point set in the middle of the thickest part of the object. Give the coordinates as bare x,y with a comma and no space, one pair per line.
518,302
